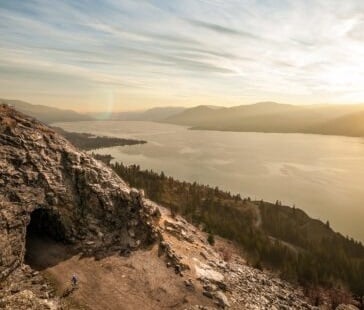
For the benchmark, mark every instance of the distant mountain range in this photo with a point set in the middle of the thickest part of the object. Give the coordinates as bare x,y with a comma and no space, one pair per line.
46,114
329,119
49,115
151,115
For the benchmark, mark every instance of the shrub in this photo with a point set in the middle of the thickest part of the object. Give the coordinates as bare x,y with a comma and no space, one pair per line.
211,239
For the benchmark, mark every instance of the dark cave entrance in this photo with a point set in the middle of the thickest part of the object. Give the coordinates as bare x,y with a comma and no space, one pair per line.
45,239
45,223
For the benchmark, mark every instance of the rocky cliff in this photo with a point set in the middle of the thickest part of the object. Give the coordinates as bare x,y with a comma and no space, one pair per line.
70,196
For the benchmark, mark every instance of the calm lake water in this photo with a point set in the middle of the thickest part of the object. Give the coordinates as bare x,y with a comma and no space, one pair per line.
323,175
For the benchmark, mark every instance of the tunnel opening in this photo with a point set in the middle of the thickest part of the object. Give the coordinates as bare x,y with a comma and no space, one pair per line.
45,242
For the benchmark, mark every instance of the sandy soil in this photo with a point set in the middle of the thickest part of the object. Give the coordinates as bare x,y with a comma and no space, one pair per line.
140,281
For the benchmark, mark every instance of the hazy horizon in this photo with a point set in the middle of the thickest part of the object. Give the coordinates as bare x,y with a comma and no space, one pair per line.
125,56
151,107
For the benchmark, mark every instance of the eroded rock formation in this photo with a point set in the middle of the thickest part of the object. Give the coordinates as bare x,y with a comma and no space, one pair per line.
83,201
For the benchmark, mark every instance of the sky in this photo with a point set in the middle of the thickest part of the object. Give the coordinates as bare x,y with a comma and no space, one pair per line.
93,55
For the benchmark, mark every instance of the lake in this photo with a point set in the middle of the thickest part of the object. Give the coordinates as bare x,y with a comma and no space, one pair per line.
323,175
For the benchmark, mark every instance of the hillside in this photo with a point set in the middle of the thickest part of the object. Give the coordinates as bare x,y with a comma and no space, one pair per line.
274,117
62,212
46,114
273,236
349,125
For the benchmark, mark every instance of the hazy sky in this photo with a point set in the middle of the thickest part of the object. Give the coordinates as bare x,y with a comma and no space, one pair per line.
134,54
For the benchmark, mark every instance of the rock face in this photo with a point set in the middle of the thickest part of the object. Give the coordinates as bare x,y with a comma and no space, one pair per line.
64,192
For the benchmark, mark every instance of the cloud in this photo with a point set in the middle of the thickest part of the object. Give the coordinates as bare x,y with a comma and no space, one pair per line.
225,51
357,31
223,30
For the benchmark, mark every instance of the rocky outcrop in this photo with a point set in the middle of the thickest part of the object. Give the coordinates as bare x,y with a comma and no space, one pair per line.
26,289
84,202
228,284
254,289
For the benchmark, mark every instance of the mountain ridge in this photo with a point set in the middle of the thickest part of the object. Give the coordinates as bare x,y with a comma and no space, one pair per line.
152,114
265,116
44,113
275,118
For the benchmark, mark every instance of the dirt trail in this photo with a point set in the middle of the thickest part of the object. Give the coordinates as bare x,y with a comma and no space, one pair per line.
141,281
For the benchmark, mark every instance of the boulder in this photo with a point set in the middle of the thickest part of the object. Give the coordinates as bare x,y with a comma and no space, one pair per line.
222,299
204,271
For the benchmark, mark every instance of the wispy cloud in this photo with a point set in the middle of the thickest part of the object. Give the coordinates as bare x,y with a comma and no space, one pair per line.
222,29
157,51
